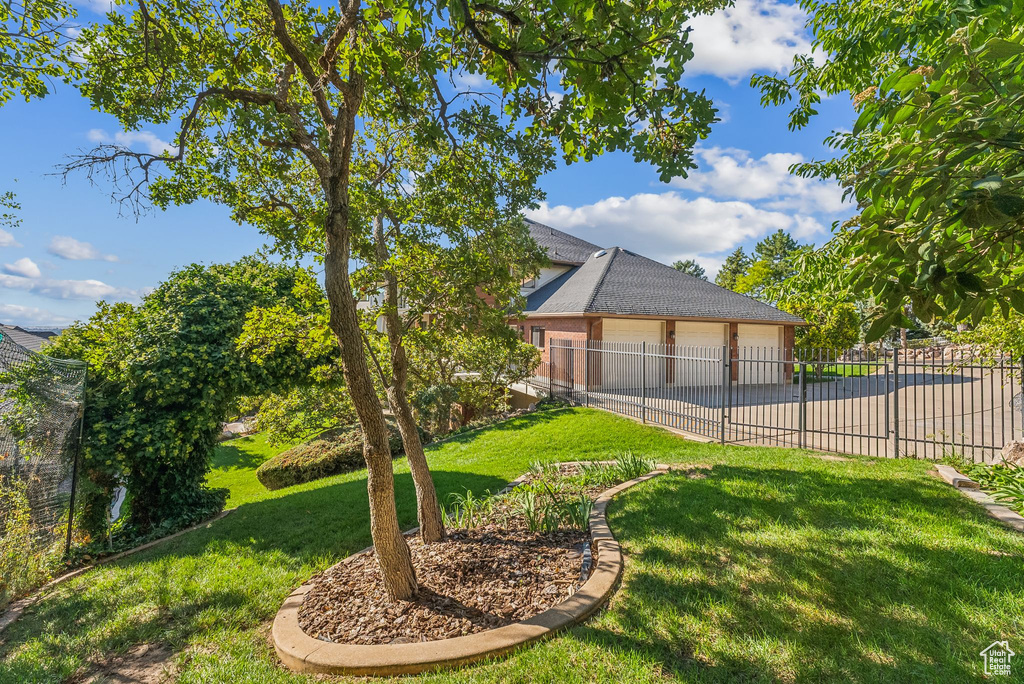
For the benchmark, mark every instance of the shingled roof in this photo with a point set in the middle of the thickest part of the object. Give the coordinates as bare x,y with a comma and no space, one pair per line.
618,281
28,339
562,248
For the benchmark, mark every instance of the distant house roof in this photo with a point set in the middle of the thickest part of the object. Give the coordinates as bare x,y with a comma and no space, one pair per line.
618,281
29,339
562,248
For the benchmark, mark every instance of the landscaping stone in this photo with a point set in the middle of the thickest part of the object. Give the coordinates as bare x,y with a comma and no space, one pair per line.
1014,453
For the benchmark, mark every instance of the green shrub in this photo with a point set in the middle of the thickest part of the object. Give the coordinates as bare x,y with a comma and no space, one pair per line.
28,557
330,453
1004,480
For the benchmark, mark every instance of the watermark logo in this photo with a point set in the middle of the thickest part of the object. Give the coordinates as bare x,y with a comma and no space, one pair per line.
997,658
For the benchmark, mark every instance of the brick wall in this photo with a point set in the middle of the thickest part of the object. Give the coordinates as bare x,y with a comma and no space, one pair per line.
554,329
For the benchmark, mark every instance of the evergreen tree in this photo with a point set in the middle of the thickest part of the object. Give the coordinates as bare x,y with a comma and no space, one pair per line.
691,267
735,265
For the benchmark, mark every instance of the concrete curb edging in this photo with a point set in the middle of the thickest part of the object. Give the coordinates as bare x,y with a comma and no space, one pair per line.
302,653
956,478
1002,513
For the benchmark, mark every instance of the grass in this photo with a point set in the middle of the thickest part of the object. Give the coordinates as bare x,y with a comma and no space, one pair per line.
773,566
840,370
234,468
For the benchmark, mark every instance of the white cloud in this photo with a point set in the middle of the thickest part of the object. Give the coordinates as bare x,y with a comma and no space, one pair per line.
667,227
98,6
132,139
75,250
466,81
15,314
752,35
7,240
734,174
23,267
64,289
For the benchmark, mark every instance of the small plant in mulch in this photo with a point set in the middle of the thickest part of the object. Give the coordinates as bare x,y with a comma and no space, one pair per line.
508,557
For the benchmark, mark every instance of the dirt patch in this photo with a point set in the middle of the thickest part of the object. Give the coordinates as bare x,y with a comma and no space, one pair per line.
693,471
478,579
830,457
144,664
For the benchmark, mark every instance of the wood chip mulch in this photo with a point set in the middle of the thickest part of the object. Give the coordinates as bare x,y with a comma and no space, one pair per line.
476,580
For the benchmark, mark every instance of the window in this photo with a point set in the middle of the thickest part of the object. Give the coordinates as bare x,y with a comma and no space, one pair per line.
530,284
537,337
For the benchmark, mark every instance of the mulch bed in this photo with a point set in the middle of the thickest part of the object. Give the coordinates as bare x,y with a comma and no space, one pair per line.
478,579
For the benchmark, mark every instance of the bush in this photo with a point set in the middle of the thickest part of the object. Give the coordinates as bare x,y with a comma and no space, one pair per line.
28,557
332,452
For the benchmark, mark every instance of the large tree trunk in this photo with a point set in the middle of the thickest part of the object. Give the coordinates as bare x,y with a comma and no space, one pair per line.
390,546
428,511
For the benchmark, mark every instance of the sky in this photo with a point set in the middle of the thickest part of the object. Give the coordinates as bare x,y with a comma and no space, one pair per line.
75,246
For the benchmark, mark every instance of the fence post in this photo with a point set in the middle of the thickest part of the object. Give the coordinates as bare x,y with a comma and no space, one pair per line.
586,372
74,466
726,386
803,406
896,403
643,381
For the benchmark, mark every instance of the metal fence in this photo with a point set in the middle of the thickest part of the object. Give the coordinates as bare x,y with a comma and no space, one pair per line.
41,400
922,403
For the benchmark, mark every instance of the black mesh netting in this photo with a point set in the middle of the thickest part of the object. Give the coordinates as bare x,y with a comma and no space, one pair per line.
40,402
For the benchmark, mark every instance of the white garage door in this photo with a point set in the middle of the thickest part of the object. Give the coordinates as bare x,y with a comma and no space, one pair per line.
633,330
700,334
695,344
760,354
621,363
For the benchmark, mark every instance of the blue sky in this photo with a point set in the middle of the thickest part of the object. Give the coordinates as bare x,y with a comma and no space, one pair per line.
75,246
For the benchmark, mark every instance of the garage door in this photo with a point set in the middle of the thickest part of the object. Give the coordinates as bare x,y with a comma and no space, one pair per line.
633,330
760,354
695,344
621,363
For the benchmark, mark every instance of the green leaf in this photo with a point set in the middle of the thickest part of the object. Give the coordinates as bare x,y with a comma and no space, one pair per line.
1017,300
878,328
990,183
908,82
1009,205
1000,48
970,282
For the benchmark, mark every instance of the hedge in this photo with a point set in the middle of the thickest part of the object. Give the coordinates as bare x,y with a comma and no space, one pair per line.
330,453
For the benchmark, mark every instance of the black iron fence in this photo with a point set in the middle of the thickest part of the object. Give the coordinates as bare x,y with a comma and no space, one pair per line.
923,403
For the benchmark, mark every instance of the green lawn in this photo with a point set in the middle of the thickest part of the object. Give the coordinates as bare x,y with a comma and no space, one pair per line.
839,370
234,468
775,566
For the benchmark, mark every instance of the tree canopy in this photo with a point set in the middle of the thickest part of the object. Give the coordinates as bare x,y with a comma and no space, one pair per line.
163,377
775,260
691,267
735,265
934,160
286,113
35,47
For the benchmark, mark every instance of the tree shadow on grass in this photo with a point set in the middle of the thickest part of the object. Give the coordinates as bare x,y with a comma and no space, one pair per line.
228,456
236,572
760,574
516,424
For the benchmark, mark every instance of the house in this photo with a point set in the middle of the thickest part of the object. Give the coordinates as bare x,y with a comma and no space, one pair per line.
590,293
29,339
